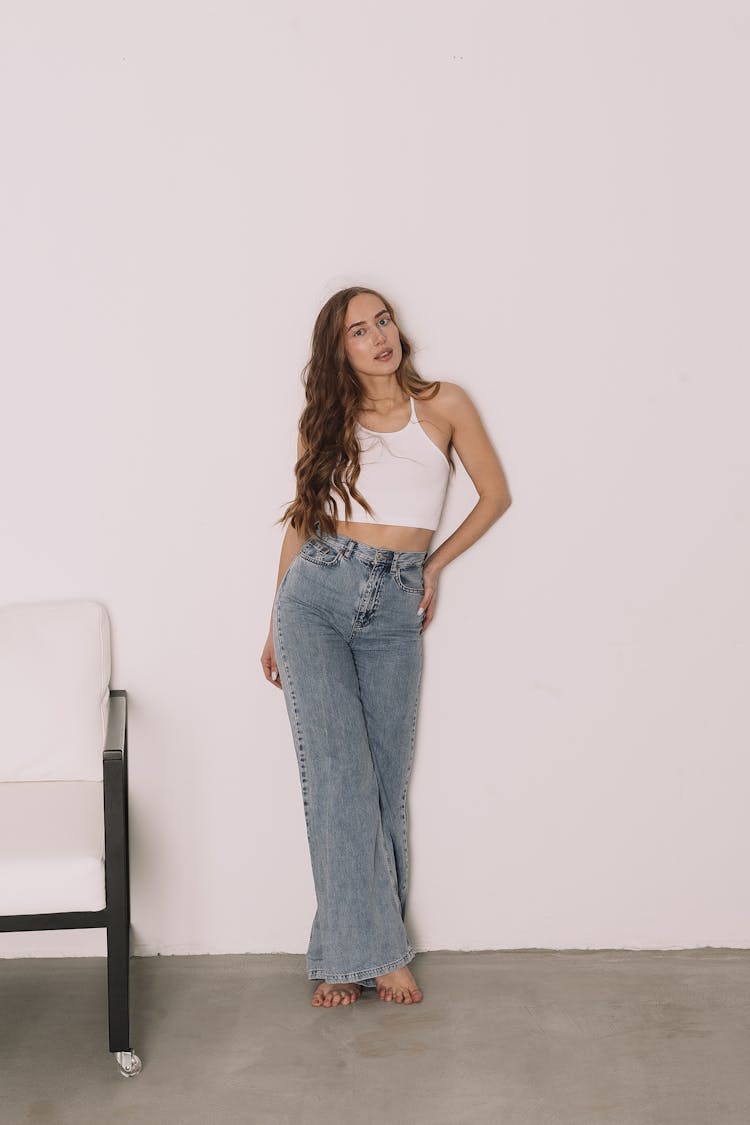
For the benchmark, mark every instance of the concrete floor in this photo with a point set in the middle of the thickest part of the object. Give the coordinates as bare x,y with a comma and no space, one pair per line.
522,1038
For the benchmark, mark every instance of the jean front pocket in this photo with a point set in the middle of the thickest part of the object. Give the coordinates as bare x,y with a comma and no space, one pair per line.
321,552
410,577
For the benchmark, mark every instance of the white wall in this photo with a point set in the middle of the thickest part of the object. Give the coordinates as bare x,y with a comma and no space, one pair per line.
555,198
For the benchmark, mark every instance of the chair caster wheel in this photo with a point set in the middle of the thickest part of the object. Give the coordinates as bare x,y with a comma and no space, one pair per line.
129,1063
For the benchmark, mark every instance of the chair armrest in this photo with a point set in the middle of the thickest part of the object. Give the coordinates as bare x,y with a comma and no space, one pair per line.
115,743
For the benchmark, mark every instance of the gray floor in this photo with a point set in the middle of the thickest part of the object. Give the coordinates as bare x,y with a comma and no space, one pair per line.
523,1038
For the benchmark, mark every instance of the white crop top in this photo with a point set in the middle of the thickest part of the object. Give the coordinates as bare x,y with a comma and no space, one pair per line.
403,477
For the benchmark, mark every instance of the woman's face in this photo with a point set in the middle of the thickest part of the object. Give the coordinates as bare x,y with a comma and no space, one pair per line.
369,331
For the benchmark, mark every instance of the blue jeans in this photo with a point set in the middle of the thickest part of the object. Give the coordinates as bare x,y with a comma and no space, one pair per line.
348,646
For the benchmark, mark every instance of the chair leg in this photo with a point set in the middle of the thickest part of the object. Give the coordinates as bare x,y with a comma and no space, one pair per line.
117,879
118,998
118,986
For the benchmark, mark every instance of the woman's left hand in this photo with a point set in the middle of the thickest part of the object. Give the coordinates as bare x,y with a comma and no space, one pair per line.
428,599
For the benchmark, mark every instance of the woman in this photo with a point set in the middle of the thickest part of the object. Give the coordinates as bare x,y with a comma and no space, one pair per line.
356,590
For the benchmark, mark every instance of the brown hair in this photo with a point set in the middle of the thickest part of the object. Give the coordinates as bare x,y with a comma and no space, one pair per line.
334,394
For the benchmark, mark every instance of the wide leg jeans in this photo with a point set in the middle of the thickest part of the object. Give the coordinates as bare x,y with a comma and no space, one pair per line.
349,650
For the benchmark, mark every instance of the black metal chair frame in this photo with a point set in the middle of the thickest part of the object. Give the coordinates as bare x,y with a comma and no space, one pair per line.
116,914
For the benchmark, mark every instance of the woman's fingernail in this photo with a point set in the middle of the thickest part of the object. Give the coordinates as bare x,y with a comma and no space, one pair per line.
420,611
274,675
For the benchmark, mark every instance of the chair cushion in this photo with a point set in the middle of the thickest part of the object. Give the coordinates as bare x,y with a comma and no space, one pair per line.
54,690
51,846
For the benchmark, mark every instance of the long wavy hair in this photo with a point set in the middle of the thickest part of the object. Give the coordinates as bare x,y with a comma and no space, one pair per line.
334,397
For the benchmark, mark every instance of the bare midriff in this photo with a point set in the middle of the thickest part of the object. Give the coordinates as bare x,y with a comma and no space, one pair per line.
387,536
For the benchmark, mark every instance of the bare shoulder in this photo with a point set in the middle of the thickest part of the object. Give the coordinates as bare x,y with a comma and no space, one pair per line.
456,408
449,406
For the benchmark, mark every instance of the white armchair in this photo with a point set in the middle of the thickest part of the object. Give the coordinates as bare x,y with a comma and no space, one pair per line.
64,860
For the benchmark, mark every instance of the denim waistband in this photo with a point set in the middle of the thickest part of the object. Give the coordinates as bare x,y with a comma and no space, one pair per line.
371,554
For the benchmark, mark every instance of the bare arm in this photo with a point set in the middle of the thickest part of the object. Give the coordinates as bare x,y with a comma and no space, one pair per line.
479,457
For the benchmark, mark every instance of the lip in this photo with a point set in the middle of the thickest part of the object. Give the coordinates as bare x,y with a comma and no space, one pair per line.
387,356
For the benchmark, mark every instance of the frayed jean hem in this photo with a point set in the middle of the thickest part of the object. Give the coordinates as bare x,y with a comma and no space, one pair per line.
360,975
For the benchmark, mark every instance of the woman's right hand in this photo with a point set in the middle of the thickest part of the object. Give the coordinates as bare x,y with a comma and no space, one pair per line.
268,661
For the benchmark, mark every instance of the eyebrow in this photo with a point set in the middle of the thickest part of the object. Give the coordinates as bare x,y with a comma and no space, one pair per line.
357,322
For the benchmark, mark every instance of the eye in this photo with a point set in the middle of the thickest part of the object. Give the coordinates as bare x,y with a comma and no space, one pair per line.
385,318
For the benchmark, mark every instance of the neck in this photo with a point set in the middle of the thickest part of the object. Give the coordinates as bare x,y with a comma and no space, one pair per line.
381,394
384,403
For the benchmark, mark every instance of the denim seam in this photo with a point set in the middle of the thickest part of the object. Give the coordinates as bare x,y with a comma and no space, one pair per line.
319,557
389,868
402,585
404,819
321,562
360,974
370,609
407,589
297,725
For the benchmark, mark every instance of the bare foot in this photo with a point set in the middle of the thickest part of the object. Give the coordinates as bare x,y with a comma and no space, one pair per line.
400,986
328,995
